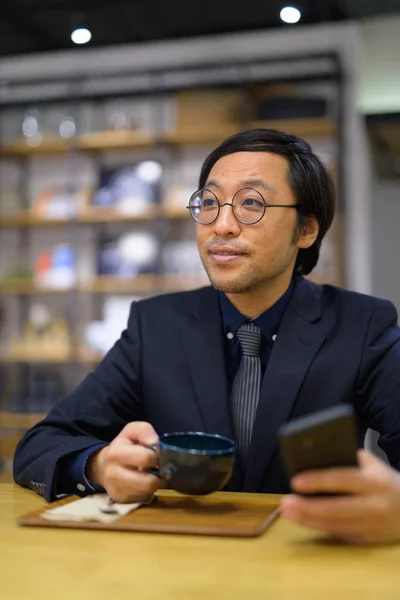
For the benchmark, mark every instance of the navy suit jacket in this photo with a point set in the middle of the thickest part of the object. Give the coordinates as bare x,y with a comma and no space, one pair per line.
168,368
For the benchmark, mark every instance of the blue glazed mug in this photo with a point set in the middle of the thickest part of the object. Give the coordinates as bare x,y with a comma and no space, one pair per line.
195,463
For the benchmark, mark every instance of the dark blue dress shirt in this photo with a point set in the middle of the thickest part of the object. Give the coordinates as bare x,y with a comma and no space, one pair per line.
268,323
74,480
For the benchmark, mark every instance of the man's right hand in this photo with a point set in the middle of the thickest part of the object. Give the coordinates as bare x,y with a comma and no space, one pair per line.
120,468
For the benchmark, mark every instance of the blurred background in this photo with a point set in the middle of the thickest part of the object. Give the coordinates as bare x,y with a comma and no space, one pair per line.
107,111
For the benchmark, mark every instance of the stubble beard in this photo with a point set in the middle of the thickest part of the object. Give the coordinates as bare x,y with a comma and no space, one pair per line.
249,281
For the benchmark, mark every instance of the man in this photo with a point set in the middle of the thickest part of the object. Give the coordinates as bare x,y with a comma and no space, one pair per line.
259,347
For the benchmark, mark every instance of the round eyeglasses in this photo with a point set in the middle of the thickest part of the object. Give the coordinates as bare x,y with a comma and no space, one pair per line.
248,206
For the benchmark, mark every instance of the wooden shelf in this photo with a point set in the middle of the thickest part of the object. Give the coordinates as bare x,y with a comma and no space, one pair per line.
82,356
27,219
88,142
170,213
77,353
109,140
86,356
118,285
308,128
12,427
91,216
39,357
11,420
141,284
8,443
313,127
202,135
178,283
20,148
28,288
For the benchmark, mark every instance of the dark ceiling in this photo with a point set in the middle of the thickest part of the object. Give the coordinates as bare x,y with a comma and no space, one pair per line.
46,25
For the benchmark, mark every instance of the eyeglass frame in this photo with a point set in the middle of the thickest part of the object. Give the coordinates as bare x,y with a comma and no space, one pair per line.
265,205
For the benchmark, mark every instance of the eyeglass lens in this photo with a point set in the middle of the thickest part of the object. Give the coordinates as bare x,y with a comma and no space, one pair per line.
247,204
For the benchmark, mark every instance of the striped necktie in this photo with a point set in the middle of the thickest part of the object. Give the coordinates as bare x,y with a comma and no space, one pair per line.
246,387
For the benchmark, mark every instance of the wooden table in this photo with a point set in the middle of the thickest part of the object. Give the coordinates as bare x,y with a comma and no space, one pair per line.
287,562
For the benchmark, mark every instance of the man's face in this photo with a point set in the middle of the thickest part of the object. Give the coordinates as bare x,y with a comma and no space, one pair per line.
242,258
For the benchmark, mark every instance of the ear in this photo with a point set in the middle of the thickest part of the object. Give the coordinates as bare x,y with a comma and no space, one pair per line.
309,233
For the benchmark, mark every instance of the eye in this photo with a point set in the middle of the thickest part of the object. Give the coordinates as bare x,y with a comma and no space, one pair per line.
209,202
253,203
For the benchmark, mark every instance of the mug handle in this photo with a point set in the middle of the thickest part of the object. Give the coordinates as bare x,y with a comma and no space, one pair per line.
154,470
168,470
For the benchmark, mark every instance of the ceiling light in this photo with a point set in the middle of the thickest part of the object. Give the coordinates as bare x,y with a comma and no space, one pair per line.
290,14
81,36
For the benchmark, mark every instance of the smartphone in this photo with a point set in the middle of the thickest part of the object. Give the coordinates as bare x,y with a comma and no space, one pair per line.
327,438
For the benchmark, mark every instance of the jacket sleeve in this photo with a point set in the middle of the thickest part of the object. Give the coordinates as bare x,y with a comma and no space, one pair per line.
95,412
378,388
72,469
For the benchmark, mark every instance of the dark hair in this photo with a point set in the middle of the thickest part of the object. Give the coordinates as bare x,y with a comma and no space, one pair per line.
309,179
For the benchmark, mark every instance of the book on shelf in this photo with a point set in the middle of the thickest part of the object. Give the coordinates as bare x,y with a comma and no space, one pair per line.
130,189
127,254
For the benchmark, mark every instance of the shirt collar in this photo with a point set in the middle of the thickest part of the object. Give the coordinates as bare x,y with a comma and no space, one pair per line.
268,321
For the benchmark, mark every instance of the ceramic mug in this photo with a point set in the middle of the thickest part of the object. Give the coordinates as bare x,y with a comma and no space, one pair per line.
195,463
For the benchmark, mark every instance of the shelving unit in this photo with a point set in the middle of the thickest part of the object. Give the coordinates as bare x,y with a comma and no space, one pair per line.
27,288
172,144
82,356
18,420
25,219
203,136
91,216
104,284
12,427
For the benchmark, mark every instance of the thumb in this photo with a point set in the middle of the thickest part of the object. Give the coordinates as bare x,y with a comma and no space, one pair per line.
140,432
367,459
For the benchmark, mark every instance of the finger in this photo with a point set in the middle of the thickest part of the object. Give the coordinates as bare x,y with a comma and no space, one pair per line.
367,459
347,515
339,509
126,485
132,456
345,480
327,522
140,432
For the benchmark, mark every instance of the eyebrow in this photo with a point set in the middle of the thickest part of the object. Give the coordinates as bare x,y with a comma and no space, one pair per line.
245,183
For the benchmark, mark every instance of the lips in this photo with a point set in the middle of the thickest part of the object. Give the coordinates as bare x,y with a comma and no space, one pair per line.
223,250
225,255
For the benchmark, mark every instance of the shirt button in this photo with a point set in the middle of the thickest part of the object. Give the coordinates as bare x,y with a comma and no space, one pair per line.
274,337
81,487
229,335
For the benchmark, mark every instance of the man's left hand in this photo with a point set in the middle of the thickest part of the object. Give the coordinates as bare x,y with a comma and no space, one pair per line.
367,513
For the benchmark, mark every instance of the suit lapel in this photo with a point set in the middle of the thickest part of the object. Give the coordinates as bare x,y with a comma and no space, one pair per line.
203,345
299,338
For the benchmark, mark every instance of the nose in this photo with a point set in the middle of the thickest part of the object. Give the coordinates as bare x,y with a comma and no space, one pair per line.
226,224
